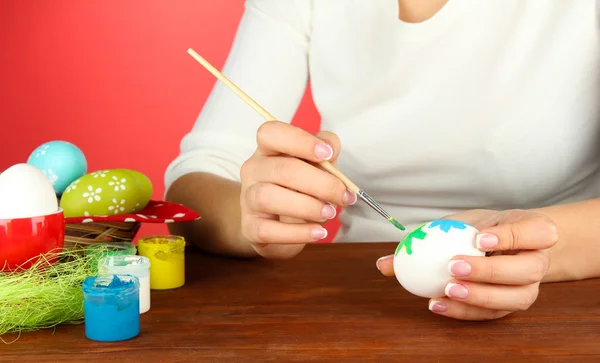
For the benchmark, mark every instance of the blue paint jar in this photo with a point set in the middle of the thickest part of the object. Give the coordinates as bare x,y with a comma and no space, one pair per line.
111,305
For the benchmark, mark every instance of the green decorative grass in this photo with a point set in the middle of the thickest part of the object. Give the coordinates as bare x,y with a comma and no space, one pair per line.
46,294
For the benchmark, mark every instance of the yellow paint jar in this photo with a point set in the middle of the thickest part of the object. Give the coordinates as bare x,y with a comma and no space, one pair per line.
167,260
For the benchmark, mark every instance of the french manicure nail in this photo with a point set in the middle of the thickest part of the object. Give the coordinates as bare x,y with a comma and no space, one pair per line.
459,268
318,233
456,291
438,306
323,151
328,212
349,198
486,241
381,259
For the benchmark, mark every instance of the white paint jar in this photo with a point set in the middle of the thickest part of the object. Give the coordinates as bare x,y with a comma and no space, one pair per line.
138,266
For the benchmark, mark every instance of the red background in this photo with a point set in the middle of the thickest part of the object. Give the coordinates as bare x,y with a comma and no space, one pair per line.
112,77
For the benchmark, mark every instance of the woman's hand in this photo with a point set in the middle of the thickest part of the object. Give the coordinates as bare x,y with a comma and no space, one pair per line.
508,280
285,197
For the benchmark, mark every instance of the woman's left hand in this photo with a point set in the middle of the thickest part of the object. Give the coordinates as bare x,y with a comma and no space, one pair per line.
507,281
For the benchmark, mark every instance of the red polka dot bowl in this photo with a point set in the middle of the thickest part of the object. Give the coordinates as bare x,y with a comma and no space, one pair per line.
24,240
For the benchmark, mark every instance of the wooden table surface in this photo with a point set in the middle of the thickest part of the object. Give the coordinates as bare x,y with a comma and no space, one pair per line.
328,304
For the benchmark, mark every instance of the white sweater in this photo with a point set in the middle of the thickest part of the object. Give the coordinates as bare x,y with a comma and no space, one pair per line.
488,104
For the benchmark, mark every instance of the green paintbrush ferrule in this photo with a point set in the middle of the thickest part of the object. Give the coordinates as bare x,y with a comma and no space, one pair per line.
373,204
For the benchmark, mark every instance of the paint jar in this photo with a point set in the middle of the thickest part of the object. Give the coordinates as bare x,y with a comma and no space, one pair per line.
98,250
167,257
111,306
138,266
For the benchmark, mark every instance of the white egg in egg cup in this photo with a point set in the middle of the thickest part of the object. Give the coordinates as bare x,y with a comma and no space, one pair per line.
31,222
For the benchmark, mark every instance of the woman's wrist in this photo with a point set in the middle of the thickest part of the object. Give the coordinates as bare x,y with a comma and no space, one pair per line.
576,255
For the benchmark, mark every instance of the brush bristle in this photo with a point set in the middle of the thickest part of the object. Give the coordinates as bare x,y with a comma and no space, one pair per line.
397,224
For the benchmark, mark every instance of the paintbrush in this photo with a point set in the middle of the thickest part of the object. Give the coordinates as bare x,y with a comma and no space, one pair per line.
268,117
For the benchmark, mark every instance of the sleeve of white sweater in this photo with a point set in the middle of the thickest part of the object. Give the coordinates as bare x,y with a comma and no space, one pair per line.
269,61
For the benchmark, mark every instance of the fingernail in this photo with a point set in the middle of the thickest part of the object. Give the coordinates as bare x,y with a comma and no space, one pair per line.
381,259
349,198
323,151
438,306
486,241
456,291
318,233
328,212
459,268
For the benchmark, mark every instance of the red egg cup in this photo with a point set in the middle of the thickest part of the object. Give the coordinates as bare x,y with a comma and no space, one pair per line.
24,240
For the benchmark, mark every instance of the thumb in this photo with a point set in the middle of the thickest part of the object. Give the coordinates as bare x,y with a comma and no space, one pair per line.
334,141
386,265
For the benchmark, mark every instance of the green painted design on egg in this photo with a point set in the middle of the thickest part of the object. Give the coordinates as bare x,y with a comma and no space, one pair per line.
101,193
407,241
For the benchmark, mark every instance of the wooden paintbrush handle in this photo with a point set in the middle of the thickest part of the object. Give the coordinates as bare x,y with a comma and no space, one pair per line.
265,114
333,170
232,86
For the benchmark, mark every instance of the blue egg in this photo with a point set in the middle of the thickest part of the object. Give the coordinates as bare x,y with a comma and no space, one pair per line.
61,162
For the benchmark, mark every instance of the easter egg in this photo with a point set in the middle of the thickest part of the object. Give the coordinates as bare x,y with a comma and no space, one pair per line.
61,162
421,259
26,192
144,185
101,193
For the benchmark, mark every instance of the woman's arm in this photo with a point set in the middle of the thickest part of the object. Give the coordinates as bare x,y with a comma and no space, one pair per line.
217,200
268,60
576,256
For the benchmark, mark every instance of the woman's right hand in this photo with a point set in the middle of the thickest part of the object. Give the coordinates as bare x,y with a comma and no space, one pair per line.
285,196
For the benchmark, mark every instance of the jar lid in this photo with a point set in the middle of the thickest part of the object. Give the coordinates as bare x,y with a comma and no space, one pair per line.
123,264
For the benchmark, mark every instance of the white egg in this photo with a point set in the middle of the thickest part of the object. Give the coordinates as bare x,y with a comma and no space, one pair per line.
26,192
421,259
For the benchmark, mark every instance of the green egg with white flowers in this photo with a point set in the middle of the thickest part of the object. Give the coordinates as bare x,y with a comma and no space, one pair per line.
103,193
144,185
